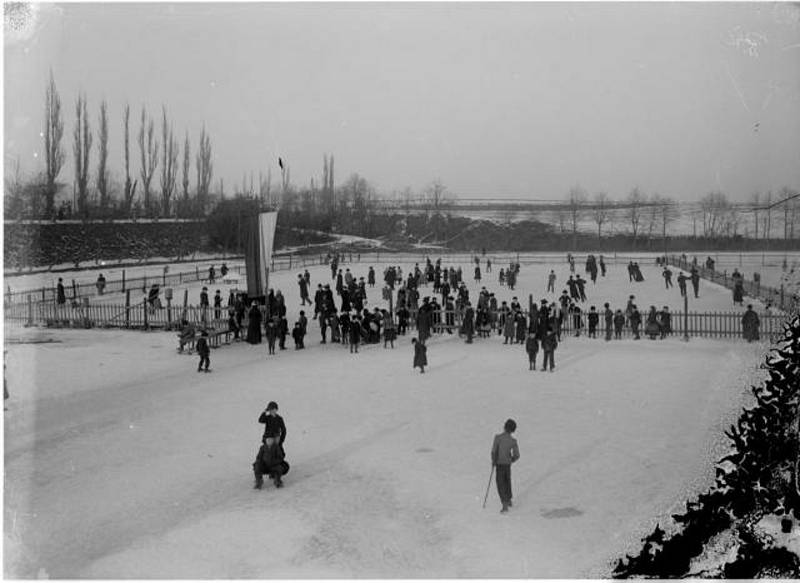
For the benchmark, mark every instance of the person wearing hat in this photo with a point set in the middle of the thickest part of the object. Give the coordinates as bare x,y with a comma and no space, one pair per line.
203,351
532,348
204,298
303,285
273,423
505,451
608,315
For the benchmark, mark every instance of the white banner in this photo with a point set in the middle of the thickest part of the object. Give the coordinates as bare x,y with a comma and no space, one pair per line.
266,235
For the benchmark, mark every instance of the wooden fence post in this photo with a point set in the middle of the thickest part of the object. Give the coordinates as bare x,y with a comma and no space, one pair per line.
185,303
123,280
30,311
127,308
169,313
144,311
74,290
43,294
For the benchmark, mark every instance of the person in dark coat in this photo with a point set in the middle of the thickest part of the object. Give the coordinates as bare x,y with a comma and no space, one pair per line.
738,293
232,324
608,315
593,319
371,276
424,321
354,333
420,355
532,348
303,285
619,322
549,345
389,329
186,334
505,451
283,332
218,305
469,323
101,284
665,318
667,273
270,461
254,325
750,324
636,321
297,335
203,351
652,328
271,332
695,277
682,283
274,425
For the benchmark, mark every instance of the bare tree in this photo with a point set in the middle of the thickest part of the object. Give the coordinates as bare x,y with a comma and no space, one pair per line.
102,173
204,169
436,196
129,188
169,163
668,212
81,147
53,133
601,211
714,207
148,150
636,199
766,224
755,202
187,161
576,200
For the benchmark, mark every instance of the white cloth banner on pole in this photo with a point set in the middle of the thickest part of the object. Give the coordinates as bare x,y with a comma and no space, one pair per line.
266,231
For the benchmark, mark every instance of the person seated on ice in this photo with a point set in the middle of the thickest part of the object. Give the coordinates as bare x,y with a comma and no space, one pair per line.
270,461
186,334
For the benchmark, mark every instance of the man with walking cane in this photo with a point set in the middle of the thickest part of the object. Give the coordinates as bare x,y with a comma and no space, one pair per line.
505,452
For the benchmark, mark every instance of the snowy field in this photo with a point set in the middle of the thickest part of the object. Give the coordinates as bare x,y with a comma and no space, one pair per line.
122,462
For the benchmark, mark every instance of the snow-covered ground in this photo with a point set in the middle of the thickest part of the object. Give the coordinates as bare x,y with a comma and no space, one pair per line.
122,462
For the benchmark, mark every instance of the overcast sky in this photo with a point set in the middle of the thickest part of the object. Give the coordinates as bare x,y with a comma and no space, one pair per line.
495,100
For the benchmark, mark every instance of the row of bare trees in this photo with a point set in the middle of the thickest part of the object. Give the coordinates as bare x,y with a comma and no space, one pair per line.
37,199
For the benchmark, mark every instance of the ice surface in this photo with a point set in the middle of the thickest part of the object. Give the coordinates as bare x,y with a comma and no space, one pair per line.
122,462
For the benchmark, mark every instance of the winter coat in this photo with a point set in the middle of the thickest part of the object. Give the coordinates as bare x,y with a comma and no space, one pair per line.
202,347
750,325
270,460
508,328
274,426
254,326
550,342
522,326
389,329
531,345
420,354
505,450
355,332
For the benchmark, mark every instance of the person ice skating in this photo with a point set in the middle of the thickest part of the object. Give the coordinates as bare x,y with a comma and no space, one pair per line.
551,282
303,285
532,348
695,277
283,332
270,461
505,451
549,345
354,331
477,274
203,351
602,266
636,321
203,298
211,274
593,320
619,322
652,327
224,270
101,284
667,273
389,329
420,355
682,283
297,336
608,315
271,332
233,326
274,425
218,305
371,276
750,324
